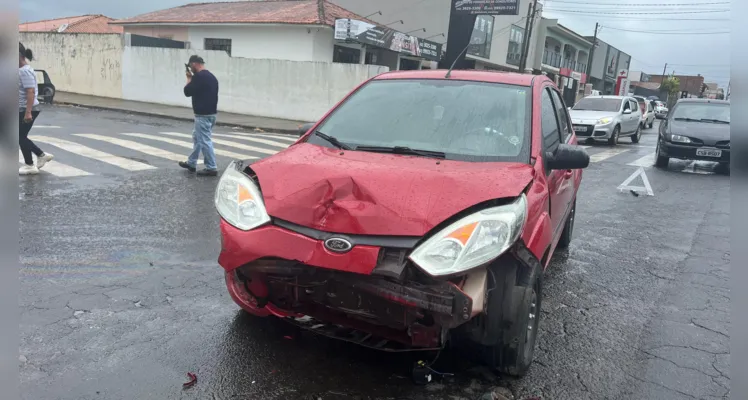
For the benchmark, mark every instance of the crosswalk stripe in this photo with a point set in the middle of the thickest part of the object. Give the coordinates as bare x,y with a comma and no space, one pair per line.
46,127
84,151
226,143
604,155
57,168
254,139
188,145
287,138
646,161
140,147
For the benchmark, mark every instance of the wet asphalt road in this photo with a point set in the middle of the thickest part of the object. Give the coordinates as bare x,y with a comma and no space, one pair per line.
121,294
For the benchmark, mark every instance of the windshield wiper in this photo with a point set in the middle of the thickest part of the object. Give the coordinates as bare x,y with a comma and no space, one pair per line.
686,119
403,150
332,140
718,121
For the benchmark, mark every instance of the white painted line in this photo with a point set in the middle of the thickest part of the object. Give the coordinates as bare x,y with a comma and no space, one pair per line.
140,147
639,172
254,139
57,169
46,127
604,155
188,145
84,151
288,138
646,161
226,143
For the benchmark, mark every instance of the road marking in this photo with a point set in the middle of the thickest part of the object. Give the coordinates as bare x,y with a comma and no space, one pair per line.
188,145
646,161
604,155
57,168
639,172
254,139
140,147
226,143
279,137
84,151
46,127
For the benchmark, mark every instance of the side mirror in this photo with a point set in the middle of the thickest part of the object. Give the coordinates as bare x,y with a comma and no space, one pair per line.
627,111
568,156
303,129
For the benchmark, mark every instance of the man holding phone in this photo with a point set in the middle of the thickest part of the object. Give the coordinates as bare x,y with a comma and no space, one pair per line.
202,86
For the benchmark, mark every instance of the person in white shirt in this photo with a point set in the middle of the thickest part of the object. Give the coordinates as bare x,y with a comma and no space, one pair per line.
28,110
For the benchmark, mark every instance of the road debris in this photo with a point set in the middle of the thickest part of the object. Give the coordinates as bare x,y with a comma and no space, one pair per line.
191,382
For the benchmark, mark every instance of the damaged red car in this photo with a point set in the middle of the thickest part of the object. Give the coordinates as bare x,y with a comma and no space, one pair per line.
421,210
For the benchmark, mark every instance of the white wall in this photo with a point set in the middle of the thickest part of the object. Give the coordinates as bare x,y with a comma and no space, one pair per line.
271,88
281,42
83,63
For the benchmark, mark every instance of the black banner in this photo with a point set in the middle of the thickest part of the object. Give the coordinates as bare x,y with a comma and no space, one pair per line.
387,38
492,7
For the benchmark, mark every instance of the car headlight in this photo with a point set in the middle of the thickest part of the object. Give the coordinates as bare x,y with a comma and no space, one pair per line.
679,139
604,120
472,241
238,200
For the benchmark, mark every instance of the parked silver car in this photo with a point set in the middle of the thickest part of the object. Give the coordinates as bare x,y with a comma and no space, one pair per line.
660,110
607,118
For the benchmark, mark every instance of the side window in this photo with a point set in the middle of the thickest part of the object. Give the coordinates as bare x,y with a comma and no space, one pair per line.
549,124
626,105
563,116
634,106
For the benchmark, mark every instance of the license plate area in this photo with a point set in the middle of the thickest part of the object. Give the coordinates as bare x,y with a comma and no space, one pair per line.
716,153
580,128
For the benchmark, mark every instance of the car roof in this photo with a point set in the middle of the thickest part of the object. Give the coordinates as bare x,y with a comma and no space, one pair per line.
511,78
697,100
607,96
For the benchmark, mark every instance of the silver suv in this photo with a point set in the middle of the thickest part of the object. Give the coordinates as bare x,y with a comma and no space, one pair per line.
607,118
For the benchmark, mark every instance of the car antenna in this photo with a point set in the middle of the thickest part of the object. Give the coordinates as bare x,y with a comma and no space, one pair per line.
449,72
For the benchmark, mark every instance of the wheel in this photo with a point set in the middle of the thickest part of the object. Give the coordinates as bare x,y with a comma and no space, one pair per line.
568,227
504,337
614,137
651,124
637,135
661,161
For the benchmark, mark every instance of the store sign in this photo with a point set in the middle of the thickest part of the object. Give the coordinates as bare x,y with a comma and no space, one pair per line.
386,38
491,7
480,40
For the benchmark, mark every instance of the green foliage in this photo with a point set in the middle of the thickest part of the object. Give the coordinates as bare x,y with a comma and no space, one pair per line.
671,85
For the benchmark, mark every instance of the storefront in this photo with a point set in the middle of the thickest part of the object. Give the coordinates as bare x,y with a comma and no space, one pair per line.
572,84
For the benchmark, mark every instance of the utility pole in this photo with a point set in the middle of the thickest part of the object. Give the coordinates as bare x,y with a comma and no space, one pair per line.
527,36
592,52
524,39
663,73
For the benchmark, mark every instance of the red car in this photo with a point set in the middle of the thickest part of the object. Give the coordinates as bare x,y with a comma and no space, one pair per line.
422,209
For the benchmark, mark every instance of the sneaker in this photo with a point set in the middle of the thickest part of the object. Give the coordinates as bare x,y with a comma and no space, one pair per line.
187,166
45,158
208,172
28,170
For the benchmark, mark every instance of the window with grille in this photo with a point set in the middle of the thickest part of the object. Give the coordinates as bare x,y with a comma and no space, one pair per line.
218,44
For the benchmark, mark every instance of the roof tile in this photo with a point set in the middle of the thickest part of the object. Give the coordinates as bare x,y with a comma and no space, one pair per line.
78,24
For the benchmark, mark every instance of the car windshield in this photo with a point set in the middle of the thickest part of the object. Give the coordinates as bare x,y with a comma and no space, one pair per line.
464,120
598,104
709,112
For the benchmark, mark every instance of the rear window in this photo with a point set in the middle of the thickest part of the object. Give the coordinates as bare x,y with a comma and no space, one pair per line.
466,120
598,104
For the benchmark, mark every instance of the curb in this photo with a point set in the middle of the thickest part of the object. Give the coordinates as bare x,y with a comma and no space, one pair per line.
289,132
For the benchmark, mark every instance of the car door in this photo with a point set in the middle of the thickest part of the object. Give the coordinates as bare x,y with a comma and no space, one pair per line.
637,116
560,182
626,118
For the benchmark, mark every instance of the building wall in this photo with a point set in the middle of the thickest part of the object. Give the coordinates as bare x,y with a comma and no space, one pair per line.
86,63
279,42
169,32
598,60
263,87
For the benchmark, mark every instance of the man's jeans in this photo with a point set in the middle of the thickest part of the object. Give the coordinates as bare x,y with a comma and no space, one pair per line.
202,143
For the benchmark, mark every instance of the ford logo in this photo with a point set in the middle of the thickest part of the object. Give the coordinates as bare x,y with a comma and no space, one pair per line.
338,245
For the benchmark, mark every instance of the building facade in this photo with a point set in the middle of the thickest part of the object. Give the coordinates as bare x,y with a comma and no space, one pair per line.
607,64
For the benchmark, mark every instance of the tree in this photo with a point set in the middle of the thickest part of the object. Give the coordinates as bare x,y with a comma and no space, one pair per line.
671,86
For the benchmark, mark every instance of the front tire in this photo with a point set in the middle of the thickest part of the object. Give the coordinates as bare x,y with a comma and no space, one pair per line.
660,160
637,135
506,340
614,137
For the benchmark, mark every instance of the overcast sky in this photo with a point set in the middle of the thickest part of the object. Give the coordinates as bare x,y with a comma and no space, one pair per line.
705,54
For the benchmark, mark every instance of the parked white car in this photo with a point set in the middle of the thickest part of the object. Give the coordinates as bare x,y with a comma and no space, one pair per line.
648,114
607,118
661,110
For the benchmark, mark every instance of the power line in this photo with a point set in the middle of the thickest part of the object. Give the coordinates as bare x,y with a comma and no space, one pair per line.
633,13
617,5
650,19
670,32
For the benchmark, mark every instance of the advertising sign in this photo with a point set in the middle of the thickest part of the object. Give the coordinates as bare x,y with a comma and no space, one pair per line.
387,38
480,40
491,7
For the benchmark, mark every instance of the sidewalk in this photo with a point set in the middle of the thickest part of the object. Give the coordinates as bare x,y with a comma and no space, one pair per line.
174,112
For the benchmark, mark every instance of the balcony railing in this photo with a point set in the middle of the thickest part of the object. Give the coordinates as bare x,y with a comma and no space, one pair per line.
551,58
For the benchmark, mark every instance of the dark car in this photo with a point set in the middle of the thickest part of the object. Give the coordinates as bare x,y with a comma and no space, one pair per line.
695,129
46,88
423,208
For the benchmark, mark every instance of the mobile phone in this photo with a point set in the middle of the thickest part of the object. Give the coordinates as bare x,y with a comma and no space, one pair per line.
187,68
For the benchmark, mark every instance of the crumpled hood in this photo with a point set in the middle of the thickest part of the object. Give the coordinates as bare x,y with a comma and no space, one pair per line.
363,193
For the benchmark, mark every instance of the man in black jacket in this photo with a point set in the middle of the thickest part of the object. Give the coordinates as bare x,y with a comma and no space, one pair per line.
202,86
